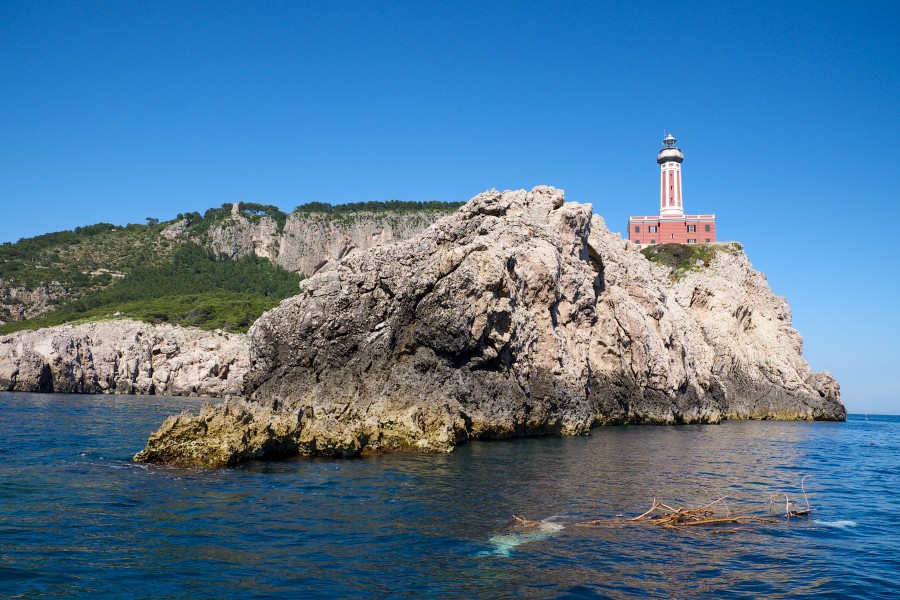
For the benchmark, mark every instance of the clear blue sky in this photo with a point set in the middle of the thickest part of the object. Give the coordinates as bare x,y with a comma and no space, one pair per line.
788,112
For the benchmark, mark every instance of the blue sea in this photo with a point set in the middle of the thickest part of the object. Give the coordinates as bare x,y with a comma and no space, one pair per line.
77,518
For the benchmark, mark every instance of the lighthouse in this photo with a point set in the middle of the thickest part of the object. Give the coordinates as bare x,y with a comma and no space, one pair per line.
671,225
670,159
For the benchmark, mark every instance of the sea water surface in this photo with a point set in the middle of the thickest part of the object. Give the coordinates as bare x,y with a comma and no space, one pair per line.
77,518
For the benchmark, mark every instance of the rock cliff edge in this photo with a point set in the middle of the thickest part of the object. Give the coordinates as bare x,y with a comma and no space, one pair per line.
124,357
520,314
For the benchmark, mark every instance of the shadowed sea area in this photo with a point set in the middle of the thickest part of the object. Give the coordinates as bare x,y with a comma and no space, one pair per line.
77,518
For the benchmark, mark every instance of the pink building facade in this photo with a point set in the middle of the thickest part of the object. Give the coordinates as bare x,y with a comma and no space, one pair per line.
671,225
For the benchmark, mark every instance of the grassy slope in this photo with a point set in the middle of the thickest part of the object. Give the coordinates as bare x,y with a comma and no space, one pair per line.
70,257
195,289
684,258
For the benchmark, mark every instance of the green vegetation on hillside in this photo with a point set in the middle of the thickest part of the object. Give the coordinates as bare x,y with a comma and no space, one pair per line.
196,289
81,260
69,257
684,258
65,266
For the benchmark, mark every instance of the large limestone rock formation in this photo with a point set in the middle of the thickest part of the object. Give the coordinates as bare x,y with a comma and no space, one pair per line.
520,314
124,357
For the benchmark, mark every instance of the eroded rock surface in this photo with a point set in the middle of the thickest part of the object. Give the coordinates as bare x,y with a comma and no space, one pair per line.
20,302
310,241
518,315
124,357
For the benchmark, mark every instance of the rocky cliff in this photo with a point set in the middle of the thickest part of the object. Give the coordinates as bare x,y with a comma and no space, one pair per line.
309,241
124,357
518,315
18,302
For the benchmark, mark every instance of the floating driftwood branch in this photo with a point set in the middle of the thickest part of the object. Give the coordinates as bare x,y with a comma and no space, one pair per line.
705,515
524,522
788,511
715,513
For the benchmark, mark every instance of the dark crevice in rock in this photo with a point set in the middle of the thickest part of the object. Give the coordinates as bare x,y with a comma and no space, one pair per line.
45,382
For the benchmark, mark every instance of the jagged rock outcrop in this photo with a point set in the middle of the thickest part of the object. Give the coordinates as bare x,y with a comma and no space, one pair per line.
520,314
124,357
309,241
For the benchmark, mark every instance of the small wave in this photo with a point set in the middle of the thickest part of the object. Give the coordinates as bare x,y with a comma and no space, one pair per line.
502,544
839,524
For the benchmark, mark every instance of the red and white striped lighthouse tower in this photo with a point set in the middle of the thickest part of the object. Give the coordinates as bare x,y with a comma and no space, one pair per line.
669,159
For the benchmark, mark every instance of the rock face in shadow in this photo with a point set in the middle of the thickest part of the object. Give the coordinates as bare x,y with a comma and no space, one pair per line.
124,357
518,315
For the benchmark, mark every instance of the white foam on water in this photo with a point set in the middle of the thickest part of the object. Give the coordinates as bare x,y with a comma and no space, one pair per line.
503,543
840,524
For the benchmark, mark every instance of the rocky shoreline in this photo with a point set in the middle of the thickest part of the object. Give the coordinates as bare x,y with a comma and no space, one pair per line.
520,314
125,357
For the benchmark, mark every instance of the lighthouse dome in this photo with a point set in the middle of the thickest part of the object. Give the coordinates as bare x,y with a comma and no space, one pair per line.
670,152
